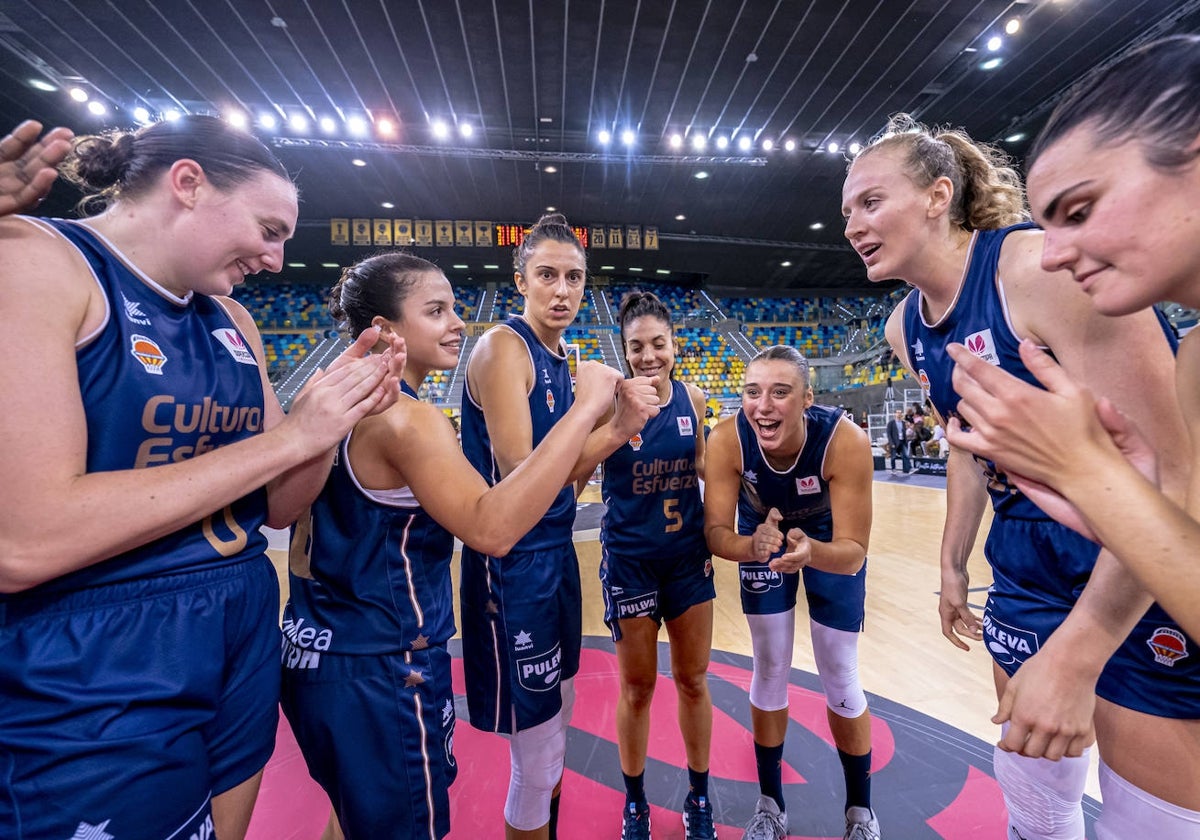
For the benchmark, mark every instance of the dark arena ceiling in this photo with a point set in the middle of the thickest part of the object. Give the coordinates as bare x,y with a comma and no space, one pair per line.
758,91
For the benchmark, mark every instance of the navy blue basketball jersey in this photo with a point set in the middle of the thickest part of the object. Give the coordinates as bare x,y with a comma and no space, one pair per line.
549,399
369,572
162,380
801,492
651,488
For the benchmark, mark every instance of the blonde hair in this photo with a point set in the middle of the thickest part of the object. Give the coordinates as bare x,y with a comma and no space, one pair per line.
988,193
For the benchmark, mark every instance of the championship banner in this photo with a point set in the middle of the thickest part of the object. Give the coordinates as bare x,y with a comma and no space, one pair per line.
615,237
463,234
383,231
362,231
483,234
402,232
423,233
650,240
633,237
339,231
599,240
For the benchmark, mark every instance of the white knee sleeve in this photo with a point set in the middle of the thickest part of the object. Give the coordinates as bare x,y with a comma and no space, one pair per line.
772,637
537,764
836,653
1130,811
1044,798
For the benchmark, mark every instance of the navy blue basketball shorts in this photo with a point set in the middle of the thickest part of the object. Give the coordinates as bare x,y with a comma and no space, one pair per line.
836,601
522,628
1039,569
377,733
127,707
660,588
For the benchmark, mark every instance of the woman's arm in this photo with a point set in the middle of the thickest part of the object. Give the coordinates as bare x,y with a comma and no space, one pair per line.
722,485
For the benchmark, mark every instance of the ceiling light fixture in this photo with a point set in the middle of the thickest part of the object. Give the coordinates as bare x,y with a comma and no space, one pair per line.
628,137
1015,138
816,226
440,130
680,217
1013,26
701,175
699,141
79,94
387,205
676,141
466,129
235,118
789,145
267,121
359,162
141,114
328,125
745,143
42,85
832,148
854,148
768,145
991,63
994,43
330,265
722,142
356,125
605,136
550,170
786,263
97,107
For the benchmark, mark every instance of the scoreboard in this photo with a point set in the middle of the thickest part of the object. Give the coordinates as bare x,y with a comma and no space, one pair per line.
510,236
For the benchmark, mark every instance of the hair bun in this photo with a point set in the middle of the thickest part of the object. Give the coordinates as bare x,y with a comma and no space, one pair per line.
101,161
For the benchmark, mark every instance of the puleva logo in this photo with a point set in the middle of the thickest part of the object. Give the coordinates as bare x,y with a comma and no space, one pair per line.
808,485
147,351
983,346
232,341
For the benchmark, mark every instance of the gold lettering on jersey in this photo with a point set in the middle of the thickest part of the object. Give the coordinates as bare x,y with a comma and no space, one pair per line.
163,417
662,475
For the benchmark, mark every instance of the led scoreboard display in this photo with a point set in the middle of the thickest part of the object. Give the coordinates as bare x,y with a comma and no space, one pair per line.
510,236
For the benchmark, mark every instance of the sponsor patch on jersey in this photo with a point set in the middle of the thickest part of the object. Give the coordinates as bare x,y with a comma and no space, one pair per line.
541,671
232,341
1169,646
638,605
1008,645
758,578
147,351
808,485
550,400
636,442
685,426
133,312
983,346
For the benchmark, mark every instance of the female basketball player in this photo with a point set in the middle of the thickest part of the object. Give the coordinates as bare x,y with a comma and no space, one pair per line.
138,641
1114,179
941,213
27,164
521,611
797,476
656,567
366,682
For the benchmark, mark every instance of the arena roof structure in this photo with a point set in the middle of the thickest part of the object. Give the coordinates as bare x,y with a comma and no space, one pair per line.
716,130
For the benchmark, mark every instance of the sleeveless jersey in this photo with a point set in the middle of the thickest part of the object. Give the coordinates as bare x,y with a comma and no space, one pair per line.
549,399
800,492
978,319
651,488
164,379
368,576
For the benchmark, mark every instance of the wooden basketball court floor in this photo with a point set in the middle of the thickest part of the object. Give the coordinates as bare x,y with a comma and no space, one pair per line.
902,654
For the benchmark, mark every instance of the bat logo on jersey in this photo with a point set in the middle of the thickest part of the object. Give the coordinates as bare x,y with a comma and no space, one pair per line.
232,341
758,578
147,351
133,312
1169,646
1008,645
550,400
808,485
636,442
685,426
541,671
983,346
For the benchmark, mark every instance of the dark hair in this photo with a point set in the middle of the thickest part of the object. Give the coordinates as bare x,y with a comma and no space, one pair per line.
987,191
550,227
1152,94
639,304
375,286
123,164
783,353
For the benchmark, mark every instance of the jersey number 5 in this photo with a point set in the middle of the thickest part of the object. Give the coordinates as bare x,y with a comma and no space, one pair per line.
674,517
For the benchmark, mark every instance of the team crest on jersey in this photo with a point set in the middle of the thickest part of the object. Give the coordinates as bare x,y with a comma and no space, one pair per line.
757,578
636,442
808,485
685,426
983,346
923,378
147,351
918,351
540,672
523,641
1169,646
550,400
232,341
133,312
708,567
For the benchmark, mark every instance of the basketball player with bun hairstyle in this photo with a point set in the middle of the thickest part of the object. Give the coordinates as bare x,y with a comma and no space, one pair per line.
143,449
787,495
1067,628
366,680
1114,179
656,568
522,610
